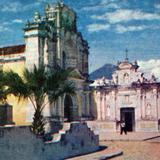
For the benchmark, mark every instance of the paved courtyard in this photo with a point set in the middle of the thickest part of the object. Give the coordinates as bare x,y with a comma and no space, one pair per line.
132,150
136,150
135,146
131,136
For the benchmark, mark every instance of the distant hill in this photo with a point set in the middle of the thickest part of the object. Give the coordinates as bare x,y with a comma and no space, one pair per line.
106,71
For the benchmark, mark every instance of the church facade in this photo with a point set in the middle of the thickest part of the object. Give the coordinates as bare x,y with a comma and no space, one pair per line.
53,40
129,97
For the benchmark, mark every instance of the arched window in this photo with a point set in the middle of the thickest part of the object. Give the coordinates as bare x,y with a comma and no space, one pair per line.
126,78
63,60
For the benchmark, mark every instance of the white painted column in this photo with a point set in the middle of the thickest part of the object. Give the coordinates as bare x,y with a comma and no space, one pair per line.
138,110
143,105
154,105
45,52
98,106
59,38
103,106
87,104
158,105
114,105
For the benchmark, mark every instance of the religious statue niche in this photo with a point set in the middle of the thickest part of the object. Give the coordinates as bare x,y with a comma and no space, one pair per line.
108,111
126,99
126,78
148,110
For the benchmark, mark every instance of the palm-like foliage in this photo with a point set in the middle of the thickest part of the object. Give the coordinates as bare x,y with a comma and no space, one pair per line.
3,90
39,85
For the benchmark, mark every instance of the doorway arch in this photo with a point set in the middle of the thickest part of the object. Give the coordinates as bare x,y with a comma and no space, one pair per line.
128,116
68,105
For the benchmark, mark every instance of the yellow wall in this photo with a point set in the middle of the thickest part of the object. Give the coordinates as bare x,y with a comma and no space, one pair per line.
19,107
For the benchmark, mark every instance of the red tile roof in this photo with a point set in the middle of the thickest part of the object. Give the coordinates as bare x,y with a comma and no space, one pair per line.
12,49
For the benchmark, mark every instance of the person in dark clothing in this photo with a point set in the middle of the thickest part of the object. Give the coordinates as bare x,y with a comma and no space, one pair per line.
123,127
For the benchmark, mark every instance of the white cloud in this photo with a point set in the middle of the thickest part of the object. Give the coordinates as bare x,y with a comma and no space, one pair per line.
11,7
30,6
92,8
113,5
5,23
97,27
4,28
157,6
17,21
18,7
47,1
122,29
103,5
124,15
150,67
107,1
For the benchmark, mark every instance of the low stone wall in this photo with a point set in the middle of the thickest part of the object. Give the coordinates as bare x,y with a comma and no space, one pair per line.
100,126
147,126
103,129
19,143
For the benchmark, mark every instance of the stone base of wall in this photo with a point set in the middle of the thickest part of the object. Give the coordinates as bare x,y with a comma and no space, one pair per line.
101,126
20,143
147,126
110,126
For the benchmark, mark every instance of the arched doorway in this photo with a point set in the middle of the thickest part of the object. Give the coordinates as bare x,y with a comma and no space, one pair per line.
128,116
68,105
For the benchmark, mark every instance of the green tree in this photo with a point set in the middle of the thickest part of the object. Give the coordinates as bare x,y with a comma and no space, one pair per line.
3,89
41,87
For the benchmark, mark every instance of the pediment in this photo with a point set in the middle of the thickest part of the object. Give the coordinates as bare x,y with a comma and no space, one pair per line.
75,73
125,65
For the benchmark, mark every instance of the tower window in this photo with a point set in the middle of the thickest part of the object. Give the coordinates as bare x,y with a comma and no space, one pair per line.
64,60
126,78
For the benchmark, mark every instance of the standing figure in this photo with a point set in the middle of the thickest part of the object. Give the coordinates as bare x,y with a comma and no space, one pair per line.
123,127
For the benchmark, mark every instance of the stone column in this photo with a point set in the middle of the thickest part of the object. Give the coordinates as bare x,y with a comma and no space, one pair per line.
103,106
143,105
74,114
118,105
138,115
114,105
83,104
158,104
87,104
80,103
46,58
59,38
116,108
60,113
158,109
154,105
98,106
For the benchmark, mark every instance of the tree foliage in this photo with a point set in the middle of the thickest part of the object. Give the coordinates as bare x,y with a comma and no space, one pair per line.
3,89
41,87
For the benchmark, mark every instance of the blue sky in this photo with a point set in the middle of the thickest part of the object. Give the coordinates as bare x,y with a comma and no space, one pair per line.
110,26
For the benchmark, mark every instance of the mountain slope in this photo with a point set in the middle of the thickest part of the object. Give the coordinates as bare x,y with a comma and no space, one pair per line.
106,71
